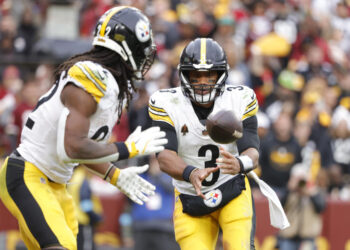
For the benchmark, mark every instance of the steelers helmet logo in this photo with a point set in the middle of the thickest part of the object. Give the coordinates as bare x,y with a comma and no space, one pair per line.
142,30
213,198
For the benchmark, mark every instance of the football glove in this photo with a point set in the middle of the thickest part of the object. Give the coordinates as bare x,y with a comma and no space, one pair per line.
145,142
132,185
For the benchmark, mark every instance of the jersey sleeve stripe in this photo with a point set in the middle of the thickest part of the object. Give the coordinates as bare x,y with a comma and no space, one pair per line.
251,104
77,74
161,118
92,77
157,113
251,112
156,109
250,109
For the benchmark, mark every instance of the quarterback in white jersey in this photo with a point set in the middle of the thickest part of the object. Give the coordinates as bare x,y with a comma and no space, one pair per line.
195,146
71,125
211,188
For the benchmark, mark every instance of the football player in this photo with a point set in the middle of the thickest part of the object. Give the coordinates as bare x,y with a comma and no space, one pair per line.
71,125
211,187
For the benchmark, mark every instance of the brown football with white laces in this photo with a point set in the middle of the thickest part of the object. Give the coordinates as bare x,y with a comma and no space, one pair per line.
224,127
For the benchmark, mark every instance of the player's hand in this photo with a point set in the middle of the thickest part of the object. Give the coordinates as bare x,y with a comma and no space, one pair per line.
134,186
228,163
145,142
199,175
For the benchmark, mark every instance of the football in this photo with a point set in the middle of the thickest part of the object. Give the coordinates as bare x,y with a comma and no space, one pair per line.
224,127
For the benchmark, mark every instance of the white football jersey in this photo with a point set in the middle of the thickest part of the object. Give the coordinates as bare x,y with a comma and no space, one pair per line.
39,135
195,146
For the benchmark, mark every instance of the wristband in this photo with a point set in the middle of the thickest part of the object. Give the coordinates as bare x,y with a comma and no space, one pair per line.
106,177
122,150
245,163
115,176
187,172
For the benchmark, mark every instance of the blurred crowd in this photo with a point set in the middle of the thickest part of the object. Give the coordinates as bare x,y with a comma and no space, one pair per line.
295,54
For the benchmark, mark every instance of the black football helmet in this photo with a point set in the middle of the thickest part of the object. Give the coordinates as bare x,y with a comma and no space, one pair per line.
203,54
128,32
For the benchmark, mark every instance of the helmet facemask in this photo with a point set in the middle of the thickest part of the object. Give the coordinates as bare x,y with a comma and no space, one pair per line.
202,93
144,60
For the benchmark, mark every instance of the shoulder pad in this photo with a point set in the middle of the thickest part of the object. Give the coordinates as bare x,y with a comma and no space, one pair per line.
250,103
156,105
161,96
91,76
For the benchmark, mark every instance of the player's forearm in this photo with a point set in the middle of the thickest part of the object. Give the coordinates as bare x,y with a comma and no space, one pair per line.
99,169
74,126
171,164
88,149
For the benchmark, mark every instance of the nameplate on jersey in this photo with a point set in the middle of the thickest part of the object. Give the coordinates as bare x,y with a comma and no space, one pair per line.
215,199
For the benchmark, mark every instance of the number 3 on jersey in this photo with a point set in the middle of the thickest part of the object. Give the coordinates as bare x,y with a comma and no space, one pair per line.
214,150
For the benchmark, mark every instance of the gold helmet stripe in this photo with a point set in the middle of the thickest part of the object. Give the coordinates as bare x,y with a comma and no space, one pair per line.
203,51
108,17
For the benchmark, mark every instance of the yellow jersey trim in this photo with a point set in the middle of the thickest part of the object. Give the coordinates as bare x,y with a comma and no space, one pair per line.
77,73
156,109
161,118
250,113
250,104
101,84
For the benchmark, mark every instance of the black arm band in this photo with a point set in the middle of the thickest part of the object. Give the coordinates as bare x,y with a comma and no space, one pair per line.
122,150
187,172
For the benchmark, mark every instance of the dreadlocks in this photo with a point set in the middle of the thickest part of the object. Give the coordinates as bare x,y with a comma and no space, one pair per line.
112,62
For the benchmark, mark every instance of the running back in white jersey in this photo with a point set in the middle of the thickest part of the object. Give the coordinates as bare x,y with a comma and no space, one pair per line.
39,135
195,146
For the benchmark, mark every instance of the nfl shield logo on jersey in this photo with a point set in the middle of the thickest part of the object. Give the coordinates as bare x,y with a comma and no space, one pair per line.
213,198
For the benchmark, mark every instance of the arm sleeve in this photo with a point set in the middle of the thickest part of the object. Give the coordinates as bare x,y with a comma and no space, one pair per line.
161,118
170,134
250,137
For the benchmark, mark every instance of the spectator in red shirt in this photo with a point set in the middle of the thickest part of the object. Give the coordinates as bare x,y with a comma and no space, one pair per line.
29,96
